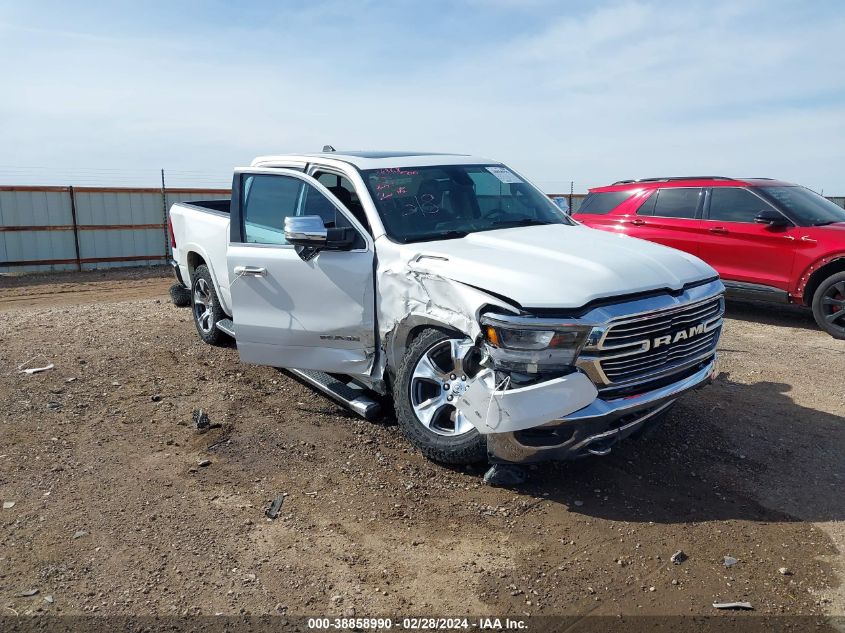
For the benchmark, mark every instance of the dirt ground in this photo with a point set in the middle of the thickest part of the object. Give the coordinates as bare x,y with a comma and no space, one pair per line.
113,513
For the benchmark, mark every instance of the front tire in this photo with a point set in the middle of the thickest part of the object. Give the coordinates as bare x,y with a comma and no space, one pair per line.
436,368
829,305
206,306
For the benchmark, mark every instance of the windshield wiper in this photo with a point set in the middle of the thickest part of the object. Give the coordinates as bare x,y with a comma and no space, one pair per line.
522,222
826,222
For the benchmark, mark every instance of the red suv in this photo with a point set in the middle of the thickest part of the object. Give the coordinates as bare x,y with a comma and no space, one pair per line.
767,239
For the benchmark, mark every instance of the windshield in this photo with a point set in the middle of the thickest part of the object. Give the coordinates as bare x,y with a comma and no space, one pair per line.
805,206
430,203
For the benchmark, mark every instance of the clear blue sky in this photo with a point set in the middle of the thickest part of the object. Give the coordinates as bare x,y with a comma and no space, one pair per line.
584,91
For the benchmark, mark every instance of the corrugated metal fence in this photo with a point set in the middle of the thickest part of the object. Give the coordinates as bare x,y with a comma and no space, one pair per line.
80,228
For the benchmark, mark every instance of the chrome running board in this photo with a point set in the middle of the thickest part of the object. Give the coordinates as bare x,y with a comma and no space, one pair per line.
226,326
350,395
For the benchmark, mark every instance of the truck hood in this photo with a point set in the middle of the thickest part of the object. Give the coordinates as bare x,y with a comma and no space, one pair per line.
557,266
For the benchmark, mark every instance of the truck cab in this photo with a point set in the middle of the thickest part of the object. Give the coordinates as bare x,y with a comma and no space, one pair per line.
502,329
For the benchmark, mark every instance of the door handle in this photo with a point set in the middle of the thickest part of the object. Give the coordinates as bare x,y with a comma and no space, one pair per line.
718,229
637,222
253,271
807,238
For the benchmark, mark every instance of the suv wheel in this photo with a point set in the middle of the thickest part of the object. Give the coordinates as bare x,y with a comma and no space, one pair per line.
437,367
829,305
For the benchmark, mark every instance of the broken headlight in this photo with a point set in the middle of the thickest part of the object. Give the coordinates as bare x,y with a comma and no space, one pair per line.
529,348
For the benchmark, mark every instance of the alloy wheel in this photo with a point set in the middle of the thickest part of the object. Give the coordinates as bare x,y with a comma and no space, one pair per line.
441,375
833,305
203,304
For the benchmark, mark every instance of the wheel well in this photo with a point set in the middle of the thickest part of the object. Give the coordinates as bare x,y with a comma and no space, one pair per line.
412,334
417,330
194,261
831,268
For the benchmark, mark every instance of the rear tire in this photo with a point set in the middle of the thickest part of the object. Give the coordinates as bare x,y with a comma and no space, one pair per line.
180,296
445,436
206,306
829,305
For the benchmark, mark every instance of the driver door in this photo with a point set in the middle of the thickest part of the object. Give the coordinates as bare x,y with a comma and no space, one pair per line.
741,249
315,314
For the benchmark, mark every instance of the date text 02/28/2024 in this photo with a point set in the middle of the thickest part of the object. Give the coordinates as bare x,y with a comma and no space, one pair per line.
417,624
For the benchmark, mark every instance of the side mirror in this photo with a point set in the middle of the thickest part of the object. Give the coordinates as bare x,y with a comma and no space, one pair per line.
310,236
306,230
771,217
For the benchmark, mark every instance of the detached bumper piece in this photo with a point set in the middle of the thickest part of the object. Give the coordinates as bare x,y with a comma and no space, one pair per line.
596,428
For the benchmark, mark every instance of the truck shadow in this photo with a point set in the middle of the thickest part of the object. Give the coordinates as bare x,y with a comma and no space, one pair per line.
732,451
784,315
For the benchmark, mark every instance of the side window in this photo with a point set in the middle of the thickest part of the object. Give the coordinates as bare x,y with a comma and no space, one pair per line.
732,204
344,191
680,202
267,201
647,207
603,202
315,203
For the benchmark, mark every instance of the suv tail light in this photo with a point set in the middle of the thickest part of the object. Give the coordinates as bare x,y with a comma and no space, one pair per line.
170,231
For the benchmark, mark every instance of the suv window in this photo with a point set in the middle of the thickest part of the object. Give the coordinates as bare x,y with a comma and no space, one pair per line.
603,202
732,204
808,207
678,202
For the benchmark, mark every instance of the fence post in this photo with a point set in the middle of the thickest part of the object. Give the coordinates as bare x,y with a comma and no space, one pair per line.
571,191
75,228
164,215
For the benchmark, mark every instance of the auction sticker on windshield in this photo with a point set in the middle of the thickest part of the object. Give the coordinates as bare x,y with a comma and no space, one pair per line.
503,174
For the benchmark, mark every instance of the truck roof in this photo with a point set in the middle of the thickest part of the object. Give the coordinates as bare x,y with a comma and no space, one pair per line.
379,159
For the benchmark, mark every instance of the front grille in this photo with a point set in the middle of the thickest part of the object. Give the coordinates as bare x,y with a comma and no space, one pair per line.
632,350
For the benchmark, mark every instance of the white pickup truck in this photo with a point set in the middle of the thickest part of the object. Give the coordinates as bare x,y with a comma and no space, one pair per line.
502,329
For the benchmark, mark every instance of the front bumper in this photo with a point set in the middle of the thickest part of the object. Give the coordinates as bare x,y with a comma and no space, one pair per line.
594,429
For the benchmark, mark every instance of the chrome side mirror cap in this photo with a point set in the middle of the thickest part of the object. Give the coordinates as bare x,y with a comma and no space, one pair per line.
306,230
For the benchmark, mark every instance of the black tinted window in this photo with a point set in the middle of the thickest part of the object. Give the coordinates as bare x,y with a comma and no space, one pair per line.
806,206
604,202
647,207
731,204
680,202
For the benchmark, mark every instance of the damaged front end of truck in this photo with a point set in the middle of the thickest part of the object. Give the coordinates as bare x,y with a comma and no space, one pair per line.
547,385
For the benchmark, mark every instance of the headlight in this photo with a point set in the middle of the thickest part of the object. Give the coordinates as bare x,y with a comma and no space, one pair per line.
533,349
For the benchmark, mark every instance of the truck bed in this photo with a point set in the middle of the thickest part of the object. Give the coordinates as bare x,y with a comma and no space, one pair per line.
221,206
201,232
